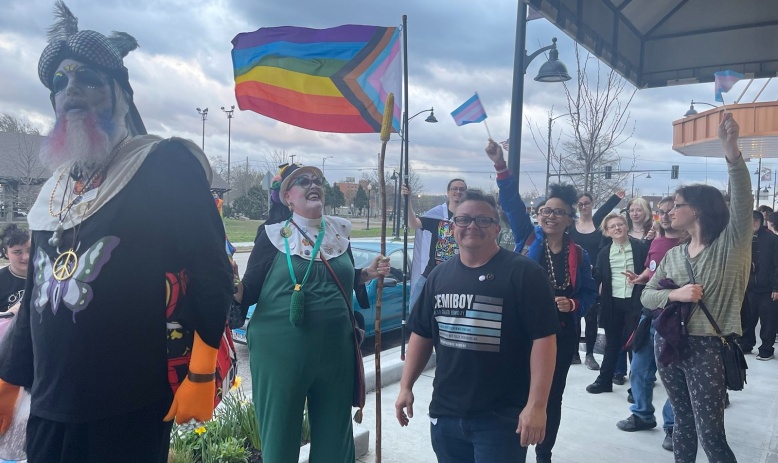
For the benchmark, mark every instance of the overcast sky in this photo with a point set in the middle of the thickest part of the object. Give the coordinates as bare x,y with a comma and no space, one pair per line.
455,48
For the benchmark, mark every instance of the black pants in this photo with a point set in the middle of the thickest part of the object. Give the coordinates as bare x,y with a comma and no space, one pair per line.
590,332
566,346
137,437
624,319
760,307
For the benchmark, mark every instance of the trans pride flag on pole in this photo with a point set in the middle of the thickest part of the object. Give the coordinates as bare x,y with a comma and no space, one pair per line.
470,112
724,82
329,80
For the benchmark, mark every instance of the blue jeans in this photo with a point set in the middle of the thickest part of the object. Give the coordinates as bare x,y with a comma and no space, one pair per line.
489,438
642,381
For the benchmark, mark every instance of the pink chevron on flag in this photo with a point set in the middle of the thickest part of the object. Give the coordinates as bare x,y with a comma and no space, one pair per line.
469,112
724,82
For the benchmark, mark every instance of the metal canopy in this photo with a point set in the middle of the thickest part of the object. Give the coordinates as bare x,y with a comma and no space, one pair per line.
656,43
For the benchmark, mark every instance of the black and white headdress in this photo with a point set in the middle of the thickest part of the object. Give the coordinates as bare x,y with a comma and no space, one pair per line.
91,48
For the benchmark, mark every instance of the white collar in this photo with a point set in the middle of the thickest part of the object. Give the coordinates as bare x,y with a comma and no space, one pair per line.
334,243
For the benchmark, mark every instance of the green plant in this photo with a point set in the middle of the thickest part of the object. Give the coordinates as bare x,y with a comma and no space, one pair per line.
230,450
180,456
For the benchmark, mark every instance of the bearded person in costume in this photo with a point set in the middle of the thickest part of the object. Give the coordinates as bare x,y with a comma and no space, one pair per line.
123,212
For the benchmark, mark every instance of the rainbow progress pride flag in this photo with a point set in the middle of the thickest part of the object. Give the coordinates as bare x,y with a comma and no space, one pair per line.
330,80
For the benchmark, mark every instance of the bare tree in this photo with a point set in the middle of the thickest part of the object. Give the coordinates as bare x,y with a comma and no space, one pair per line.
598,109
25,167
275,158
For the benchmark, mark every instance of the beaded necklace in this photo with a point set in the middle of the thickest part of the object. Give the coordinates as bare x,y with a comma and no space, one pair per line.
550,268
66,263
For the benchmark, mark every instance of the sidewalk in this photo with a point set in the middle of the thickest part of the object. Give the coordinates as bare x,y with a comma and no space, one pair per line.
588,433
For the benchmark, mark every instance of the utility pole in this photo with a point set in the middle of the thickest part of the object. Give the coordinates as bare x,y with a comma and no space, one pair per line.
204,115
229,113
292,156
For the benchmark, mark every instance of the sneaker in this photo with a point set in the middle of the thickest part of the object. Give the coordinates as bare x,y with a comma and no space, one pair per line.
591,363
747,350
598,388
667,444
619,379
577,358
630,399
635,423
765,357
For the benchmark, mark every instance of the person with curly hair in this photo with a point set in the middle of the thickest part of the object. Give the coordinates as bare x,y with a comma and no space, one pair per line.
567,267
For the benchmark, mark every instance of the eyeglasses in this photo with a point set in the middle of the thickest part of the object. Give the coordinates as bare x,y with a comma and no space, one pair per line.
580,205
305,182
614,226
85,77
660,212
679,205
459,189
481,221
547,211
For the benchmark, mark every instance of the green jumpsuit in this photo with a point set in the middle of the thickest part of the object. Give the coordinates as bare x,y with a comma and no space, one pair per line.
313,361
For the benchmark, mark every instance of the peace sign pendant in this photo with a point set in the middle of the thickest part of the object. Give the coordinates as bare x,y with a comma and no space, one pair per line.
65,265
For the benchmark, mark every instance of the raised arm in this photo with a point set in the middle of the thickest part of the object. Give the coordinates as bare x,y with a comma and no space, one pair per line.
603,210
510,199
741,217
414,223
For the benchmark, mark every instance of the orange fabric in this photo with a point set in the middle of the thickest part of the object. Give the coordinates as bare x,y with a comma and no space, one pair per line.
8,396
195,400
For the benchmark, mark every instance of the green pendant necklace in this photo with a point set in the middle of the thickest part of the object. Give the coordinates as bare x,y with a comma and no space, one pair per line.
297,302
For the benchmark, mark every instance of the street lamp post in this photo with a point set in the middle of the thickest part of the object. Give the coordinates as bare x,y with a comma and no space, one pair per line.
548,149
324,158
229,113
551,71
758,182
395,221
647,174
404,155
204,115
369,194
692,111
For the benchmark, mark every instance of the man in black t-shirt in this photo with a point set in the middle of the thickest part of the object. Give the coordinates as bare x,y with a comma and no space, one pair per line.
490,315
434,242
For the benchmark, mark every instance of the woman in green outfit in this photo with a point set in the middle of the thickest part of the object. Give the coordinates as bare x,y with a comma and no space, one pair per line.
300,335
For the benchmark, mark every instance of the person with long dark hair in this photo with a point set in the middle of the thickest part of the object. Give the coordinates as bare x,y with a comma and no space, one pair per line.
585,233
713,267
568,269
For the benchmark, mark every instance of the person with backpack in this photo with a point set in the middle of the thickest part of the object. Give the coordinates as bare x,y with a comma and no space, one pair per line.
567,267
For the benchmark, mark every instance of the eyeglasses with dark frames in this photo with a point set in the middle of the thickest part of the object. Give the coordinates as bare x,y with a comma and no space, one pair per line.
480,221
547,211
306,182
679,205
580,205
459,189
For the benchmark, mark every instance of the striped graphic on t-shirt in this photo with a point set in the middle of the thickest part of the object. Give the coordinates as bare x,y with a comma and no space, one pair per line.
470,322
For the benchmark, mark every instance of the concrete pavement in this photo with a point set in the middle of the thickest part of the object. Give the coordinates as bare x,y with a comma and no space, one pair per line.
588,433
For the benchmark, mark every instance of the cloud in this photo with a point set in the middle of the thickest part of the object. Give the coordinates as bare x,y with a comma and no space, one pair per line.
454,50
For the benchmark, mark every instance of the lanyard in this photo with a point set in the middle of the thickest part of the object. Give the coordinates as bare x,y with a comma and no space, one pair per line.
298,287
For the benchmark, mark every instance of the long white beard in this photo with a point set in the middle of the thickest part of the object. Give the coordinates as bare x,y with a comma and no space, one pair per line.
77,138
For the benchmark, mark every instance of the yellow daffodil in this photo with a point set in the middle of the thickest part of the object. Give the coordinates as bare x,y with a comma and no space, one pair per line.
200,430
236,383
